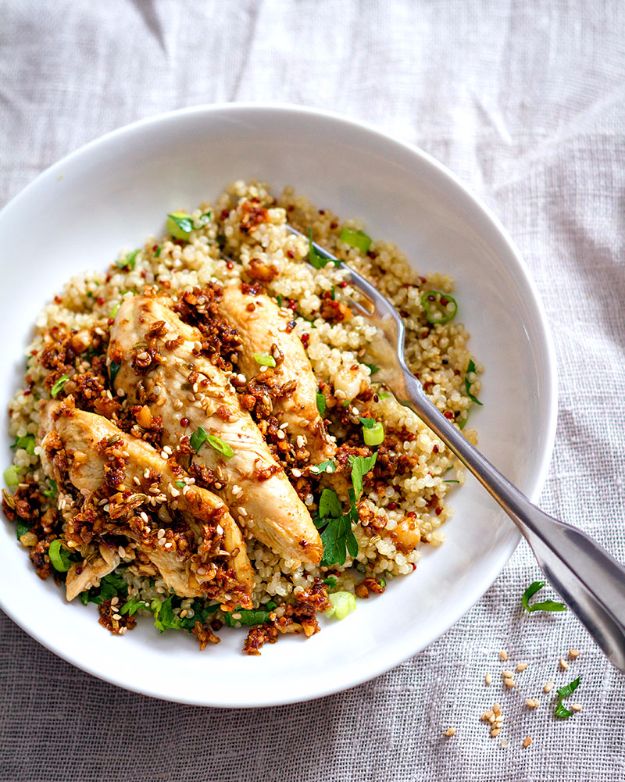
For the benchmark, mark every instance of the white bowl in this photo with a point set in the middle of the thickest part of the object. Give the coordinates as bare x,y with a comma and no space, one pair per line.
114,192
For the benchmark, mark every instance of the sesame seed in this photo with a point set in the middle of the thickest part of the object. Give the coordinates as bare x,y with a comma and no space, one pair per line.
521,667
281,434
300,441
117,616
114,601
167,449
174,491
503,655
169,544
449,732
564,666
242,511
296,473
236,490
136,481
263,369
527,741
548,687
576,707
488,679
161,533
573,654
504,743
144,516
285,425
507,674
532,703
121,551
495,732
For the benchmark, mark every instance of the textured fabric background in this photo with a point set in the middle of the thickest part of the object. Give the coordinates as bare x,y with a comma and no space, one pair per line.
526,102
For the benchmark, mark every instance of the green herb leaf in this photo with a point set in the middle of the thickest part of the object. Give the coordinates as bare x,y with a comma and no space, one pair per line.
52,490
59,556
56,388
264,359
246,617
114,368
560,710
113,585
439,307
328,466
384,395
358,239
179,225
321,403
329,504
128,261
373,368
180,484
368,423
131,606
198,438
330,581
203,219
361,465
21,528
546,605
315,258
164,617
471,368
157,252
27,442
279,299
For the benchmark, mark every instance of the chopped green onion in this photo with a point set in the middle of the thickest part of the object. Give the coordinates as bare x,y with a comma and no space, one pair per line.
315,258
560,711
27,442
331,581
56,388
59,556
179,225
114,368
546,605
328,466
384,395
341,605
279,299
264,359
321,403
451,480
180,484
12,476
373,368
373,435
52,491
439,307
382,581
471,369
128,261
203,219
368,423
115,309
358,239
157,252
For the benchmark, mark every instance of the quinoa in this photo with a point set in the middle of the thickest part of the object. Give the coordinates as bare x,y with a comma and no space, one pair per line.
245,238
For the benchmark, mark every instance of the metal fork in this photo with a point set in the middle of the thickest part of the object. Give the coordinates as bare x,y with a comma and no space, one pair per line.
587,577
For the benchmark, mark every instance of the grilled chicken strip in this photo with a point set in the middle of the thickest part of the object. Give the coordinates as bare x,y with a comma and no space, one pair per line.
263,330
159,363
102,461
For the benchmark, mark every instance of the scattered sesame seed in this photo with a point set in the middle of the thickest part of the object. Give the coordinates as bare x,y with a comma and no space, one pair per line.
136,480
521,667
504,743
576,707
527,741
449,732
236,490
564,666
548,687
532,703
173,491
300,441
503,655
296,473
285,425
121,551
281,434
507,674
117,616
161,533
488,679
495,732
573,654
144,516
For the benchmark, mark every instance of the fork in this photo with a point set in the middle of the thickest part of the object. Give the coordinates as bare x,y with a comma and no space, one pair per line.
587,577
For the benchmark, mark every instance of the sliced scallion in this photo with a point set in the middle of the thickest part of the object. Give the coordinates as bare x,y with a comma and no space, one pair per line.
439,307
179,225
264,359
354,238
56,388
341,605
59,556
12,476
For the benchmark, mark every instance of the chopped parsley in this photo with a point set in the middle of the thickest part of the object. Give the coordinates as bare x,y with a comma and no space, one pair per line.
471,369
114,368
21,528
179,225
247,617
56,388
560,711
201,436
131,606
321,403
545,605
331,581
113,585
361,465
373,368
52,490
328,466
280,299
129,260
316,259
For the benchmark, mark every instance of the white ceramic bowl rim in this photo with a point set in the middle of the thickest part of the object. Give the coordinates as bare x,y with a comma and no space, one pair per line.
399,651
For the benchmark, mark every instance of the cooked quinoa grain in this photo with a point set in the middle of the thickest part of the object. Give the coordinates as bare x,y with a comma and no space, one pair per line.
113,542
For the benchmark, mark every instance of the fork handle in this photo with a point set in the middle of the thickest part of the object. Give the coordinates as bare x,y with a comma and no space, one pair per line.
587,577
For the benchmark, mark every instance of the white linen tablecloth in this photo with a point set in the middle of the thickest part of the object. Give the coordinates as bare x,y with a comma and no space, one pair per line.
525,101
